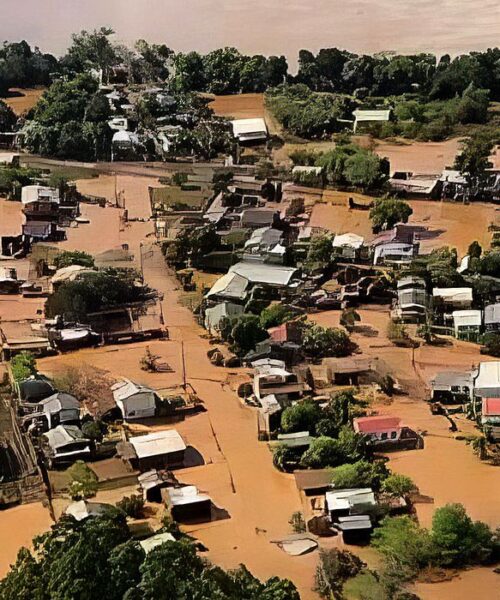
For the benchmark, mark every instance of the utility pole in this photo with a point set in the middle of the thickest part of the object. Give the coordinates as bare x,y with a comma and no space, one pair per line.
184,382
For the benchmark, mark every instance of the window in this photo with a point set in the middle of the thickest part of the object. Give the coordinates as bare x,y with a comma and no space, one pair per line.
394,435
383,436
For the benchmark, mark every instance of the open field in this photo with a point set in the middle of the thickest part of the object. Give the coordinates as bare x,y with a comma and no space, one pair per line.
244,106
22,100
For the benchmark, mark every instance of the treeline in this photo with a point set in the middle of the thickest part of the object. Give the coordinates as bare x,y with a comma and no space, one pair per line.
228,71
22,66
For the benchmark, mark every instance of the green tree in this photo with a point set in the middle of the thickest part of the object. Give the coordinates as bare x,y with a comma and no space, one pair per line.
275,314
323,452
458,539
397,485
132,506
342,408
7,117
405,546
334,569
320,249
321,341
359,474
349,318
23,365
387,212
475,250
246,333
92,49
365,169
75,257
491,344
473,161
83,481
301,416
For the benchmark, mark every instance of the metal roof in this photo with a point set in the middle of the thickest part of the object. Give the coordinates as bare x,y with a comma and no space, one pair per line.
264,273
62,435
249,128
463,318
487,380
376,424
125,389
462,294
188,494
492,314
157,443
156,540
348,239
230,285
372,115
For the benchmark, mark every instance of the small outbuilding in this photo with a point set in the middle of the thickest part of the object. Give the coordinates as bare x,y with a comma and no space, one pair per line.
157,450
134,400
249,130
188,503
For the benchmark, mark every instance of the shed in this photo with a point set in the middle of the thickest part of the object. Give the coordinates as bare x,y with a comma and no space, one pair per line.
60,408
39,193
187,503
249,130
367,117
83,509
341,503
313,482
65,443
346,370
301,439
135,401
35,388
157,450
355,529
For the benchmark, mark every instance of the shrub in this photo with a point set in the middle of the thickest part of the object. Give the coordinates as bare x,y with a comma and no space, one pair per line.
335,568
83,481
275,315
132,506
67,259
297,522
359,474
398,485
23,365
94,430
321,341
302,416
387,212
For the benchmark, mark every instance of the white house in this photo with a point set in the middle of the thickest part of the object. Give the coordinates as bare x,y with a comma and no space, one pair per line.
39,193
134,400
467,324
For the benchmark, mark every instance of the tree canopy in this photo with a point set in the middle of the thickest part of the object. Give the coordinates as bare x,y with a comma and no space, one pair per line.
97,558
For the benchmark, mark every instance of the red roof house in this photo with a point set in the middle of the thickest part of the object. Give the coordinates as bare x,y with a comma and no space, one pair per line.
379,427
290,331
490,411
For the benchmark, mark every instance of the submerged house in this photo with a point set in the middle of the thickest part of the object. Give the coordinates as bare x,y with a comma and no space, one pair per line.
451,387
158,450
271,378
134,400
342,503
387,433
347,246
187,503
215,314
58,409
395,252
249,130
490,418
65,444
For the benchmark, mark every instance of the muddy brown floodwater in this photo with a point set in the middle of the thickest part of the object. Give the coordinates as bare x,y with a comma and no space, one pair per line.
238,472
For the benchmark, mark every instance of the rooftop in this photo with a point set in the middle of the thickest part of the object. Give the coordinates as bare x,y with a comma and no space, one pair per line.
157,443
376,424
491,407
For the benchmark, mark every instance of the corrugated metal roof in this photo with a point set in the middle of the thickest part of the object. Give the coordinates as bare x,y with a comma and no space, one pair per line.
158,443
376,424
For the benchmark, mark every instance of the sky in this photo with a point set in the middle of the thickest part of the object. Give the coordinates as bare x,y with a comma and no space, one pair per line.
262,26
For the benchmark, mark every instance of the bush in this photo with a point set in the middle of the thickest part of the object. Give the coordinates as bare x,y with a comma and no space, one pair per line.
387,212
321,341
94,430
491,344
398,485
83,481
275,315
67,258
297,522
132,506
359,474
302,416
23,365
328,452
335,568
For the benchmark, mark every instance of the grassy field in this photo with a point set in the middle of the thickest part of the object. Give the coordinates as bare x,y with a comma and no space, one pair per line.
22,100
